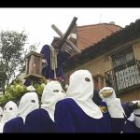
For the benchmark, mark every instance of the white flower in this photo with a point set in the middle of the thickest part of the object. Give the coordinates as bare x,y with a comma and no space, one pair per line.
43,85
31,88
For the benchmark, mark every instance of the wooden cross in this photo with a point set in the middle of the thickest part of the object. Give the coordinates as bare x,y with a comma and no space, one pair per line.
64,37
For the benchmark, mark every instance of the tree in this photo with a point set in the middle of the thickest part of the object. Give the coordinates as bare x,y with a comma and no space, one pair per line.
32,47
13,54
3,76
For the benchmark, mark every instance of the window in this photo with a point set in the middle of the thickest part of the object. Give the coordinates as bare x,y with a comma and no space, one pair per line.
125,70
123,58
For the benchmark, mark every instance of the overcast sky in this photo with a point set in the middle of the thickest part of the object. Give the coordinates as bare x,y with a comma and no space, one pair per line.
37,21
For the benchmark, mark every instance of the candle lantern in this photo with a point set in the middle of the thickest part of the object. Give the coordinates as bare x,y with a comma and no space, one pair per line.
34,66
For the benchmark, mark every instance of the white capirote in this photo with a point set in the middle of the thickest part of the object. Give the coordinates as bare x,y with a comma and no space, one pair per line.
81,89
28,102
52,93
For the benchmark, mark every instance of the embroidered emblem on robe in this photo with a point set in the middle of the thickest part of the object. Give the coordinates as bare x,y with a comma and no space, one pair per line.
103,109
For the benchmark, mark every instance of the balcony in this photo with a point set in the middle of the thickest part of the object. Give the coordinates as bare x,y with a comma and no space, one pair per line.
126,76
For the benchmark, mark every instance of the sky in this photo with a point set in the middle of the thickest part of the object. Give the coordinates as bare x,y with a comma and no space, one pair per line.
36,22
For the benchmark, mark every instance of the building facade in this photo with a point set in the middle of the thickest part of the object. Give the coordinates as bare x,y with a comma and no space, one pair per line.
113,61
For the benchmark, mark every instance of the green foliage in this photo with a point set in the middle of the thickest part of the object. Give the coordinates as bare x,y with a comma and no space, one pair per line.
39,88
13,60
16,90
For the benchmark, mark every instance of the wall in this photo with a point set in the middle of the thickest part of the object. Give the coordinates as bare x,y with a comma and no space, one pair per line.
96,66
136,49
130,95
103,64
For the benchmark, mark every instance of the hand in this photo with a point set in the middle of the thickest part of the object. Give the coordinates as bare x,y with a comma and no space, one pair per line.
106,93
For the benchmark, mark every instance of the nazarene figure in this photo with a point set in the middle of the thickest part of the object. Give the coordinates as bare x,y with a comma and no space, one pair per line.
54,60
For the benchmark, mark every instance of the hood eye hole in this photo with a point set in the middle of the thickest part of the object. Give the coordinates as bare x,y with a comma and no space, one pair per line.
87,79
56,90
33,101
10,108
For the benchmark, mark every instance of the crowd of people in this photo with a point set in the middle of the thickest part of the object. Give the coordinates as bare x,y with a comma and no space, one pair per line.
74,110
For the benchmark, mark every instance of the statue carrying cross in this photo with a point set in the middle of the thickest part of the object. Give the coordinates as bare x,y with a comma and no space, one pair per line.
57,53
53,55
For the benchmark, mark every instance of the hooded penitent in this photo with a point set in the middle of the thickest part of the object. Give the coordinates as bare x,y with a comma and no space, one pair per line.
81,89
52,93
1,113
28,102
114,106
10,112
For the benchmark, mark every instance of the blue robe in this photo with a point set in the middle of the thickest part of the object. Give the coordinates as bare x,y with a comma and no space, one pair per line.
39,121
70,118
130,127
116,124
15,125
129,107
47,72
96,99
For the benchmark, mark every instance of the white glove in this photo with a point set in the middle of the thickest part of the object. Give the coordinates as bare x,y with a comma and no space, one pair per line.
113,104
107,94
31,88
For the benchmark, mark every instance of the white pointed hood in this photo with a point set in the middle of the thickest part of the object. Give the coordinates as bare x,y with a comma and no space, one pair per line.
81,89
52,93
137,115
10,112
114,106
1,113
28,102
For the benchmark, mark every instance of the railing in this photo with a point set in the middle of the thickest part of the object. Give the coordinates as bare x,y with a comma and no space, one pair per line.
124,76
